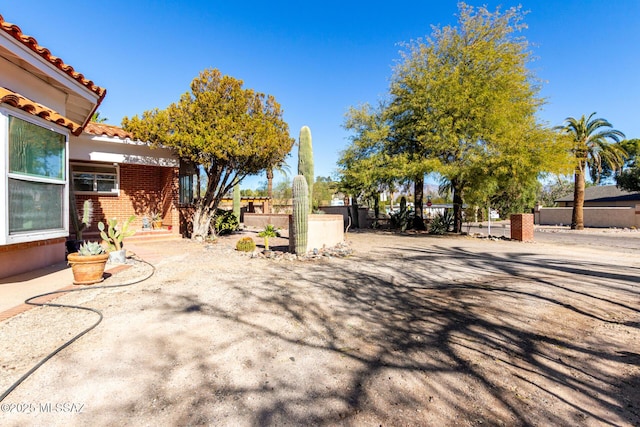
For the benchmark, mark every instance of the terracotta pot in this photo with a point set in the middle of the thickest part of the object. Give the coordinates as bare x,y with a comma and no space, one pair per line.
157,224
87,269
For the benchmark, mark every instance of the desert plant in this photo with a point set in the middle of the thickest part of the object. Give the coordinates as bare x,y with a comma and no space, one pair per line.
116,233
236,201
269,231
156,219
403,218
442,223
301,207
305,161
225,222
91,248
246,244
83,221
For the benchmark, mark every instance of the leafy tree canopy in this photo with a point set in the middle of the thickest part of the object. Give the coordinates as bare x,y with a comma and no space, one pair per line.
629,180
230,131
629,177
465,100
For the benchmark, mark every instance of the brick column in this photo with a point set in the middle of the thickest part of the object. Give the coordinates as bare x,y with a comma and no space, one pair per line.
522,227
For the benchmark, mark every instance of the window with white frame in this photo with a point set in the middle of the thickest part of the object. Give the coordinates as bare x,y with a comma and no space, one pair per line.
36,175
94,178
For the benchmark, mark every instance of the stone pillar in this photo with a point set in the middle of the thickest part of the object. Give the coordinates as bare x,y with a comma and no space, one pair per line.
522,227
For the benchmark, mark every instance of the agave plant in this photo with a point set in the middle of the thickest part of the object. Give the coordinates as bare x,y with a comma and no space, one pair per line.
91,248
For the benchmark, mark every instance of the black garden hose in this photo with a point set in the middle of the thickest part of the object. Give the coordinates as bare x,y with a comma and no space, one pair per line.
72,340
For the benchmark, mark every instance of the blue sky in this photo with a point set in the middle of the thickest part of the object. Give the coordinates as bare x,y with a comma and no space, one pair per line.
319,58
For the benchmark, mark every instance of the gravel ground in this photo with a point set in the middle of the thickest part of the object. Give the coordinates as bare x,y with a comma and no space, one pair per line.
408,330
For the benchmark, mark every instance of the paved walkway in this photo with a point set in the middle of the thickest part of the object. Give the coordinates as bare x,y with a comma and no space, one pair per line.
16,289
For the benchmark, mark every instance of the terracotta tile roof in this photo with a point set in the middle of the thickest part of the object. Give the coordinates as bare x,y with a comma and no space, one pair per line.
94,128
32,44
18,101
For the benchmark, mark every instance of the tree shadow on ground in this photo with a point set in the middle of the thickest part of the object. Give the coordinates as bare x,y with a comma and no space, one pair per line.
422,336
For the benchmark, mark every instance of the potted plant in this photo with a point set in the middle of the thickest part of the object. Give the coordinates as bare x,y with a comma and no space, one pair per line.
156,220
80,223
114,235
88,263
269,231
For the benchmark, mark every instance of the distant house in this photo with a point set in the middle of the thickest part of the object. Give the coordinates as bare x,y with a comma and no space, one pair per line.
603,196
604,206
49,147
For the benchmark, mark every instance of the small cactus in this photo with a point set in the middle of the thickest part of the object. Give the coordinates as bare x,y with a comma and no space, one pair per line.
83,221
91,248
300,224
246,244
115,233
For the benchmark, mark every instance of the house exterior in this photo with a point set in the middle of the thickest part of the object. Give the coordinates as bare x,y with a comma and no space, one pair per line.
49,148
123,177
604,206
603,196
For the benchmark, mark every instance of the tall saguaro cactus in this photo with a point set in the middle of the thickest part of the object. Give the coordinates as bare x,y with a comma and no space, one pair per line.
300,226
305,160
236,201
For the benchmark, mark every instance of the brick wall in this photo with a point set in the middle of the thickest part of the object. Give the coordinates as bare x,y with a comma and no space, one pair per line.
522,227
143,189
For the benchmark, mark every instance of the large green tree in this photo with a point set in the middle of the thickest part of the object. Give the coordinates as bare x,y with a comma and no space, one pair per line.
465,98
605,172
591,139
230,131
366,166
629,176
629,180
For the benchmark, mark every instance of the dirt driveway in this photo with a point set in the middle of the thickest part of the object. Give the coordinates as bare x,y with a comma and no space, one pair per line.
409,330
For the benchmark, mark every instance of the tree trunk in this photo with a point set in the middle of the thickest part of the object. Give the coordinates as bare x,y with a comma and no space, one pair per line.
376,209
269,189
457,206
418,191
201,223
577,216
354,213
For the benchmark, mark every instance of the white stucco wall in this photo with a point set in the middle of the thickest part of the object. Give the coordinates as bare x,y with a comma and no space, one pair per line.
324,230
115,150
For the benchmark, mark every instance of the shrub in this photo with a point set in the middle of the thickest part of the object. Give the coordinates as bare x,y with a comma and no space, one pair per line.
441,223
225,222
246,244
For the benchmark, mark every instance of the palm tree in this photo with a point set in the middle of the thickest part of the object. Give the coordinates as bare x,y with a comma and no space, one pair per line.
282,168
591,147
97,118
